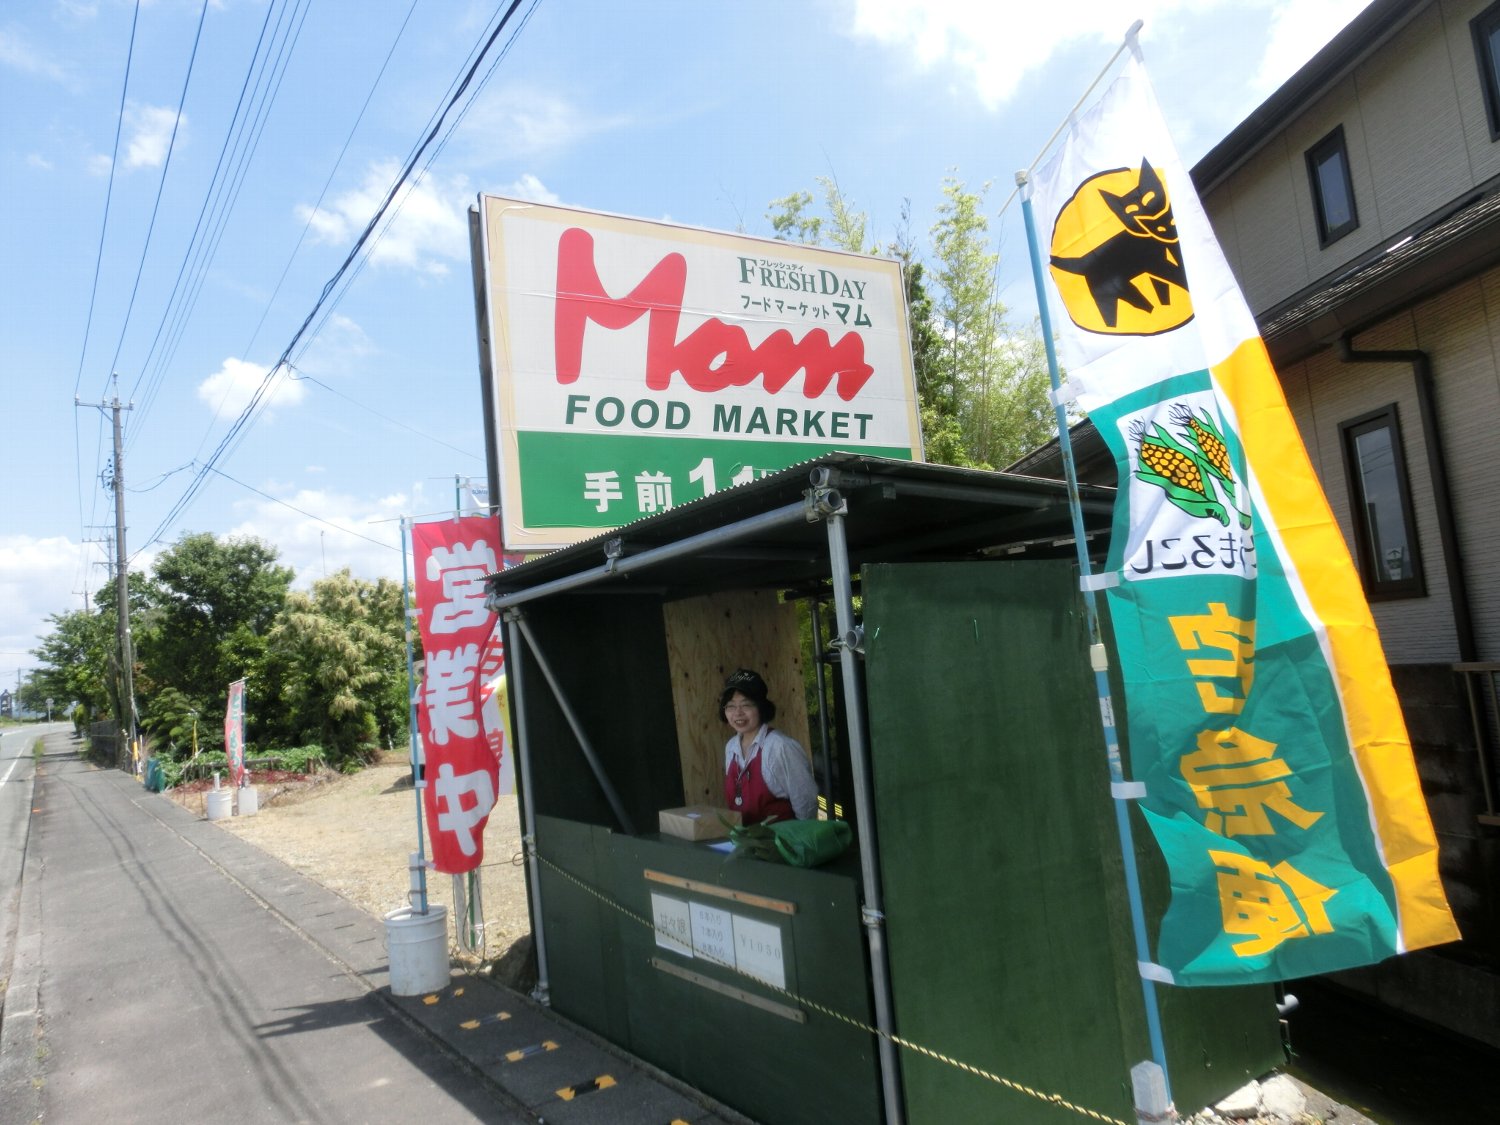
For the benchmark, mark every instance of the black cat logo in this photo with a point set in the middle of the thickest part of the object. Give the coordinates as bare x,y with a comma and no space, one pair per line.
1116,259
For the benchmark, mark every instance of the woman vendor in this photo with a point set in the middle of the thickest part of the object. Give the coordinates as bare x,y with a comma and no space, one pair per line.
766,773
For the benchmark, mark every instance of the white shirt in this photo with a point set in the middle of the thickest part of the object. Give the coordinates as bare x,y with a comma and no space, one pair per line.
784,766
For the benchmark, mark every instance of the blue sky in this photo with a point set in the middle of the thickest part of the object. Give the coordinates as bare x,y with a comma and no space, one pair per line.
699,113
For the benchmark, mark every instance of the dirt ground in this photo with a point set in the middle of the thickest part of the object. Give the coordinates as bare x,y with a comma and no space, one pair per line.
353,835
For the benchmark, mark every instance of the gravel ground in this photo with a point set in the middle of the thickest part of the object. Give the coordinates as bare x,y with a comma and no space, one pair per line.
353,835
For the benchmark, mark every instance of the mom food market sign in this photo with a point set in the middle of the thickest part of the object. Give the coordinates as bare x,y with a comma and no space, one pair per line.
639,365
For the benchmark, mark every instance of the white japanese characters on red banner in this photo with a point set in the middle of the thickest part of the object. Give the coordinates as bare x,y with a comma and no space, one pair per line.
462,731
234,733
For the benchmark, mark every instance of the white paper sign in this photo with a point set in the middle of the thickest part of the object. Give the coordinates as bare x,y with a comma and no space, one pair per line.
757,948
674,929
713,933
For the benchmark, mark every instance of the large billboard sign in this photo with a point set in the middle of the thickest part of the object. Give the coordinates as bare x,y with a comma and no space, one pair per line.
639,365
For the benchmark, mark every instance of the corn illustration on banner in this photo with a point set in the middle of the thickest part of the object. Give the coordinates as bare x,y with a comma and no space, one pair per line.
1279,779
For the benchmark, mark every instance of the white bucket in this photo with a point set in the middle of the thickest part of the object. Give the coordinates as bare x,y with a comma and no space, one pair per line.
220,803
418,945
249,801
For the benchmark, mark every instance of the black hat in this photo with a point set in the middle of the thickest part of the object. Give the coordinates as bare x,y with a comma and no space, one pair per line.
749,684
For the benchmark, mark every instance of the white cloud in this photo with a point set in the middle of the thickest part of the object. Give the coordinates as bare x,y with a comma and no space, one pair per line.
339,348
17,54
332,530
524,121
425,228
531,189
149,132
1299,29
994,47
37,160
38,577
99,165
228,390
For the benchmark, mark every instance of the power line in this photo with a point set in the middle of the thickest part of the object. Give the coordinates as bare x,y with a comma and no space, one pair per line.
161,184
209,194
299,511
209,249
302,377
338,162
259,395
109,192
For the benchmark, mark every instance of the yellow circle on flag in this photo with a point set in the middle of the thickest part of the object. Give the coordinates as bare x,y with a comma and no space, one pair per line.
1116,259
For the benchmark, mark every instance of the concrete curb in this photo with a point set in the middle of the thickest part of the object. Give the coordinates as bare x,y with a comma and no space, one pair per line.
22,1047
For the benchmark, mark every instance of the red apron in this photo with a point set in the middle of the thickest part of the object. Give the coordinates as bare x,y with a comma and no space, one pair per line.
746,792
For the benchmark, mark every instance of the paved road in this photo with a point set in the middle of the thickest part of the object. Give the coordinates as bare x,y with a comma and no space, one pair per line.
16,768
167,971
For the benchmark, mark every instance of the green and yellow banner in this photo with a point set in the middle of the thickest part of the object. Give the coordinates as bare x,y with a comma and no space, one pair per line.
1279,780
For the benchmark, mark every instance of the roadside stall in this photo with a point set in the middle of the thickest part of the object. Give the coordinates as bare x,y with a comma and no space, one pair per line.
921,629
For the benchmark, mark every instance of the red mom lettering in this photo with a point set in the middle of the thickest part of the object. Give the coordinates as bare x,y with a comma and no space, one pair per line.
714,355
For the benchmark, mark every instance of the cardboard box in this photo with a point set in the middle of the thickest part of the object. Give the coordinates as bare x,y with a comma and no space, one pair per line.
696,822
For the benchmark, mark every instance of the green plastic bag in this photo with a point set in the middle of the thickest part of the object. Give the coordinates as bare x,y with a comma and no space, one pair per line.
807,843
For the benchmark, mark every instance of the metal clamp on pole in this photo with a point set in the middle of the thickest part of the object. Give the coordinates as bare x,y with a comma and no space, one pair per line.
823,503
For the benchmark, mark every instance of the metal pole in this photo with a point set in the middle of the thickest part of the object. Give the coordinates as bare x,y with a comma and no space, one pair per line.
129,728
517,694
419,782
1098,658
872,912
733,533
571,716
823,736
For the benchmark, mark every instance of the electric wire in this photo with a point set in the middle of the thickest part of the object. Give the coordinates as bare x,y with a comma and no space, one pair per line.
442,144
475,55
261,114
299,511
213,184
161,184
303,377
327,183
229,189
447,136
246,414
94,288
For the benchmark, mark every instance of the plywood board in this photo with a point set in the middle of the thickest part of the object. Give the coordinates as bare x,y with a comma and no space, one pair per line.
707,639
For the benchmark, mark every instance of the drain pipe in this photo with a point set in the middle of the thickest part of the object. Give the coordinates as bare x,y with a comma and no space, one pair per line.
1432,436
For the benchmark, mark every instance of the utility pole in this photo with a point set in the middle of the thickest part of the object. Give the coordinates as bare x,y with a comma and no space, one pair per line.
129,728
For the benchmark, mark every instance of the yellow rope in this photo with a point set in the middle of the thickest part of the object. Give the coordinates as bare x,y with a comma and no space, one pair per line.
928,1052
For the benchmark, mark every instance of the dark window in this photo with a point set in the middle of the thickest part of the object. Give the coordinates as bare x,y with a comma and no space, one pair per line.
1332,189
1385,531
1486,30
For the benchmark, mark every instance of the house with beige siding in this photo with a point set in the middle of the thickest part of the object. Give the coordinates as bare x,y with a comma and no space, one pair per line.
1359,207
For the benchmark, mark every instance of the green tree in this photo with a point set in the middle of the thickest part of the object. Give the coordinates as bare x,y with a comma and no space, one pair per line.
792,221
211,603
75,659
995,375
981,383
336,662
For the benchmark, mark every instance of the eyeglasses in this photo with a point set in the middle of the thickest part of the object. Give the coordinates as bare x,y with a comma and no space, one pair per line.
741,707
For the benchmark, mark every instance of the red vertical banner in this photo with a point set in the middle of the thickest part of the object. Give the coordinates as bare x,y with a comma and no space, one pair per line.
463,757
234,733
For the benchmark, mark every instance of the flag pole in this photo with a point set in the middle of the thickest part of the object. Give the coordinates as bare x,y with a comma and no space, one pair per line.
418,781
1120,790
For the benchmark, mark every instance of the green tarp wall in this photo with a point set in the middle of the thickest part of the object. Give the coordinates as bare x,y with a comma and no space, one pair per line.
1007,916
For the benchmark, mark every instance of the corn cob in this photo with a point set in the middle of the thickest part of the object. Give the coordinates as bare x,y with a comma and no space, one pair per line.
1176,467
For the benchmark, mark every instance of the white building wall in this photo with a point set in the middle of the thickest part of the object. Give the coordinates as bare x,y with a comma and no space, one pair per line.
1460,331
1417,138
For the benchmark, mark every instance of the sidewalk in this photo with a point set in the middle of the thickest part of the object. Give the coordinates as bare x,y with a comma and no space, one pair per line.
166,970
